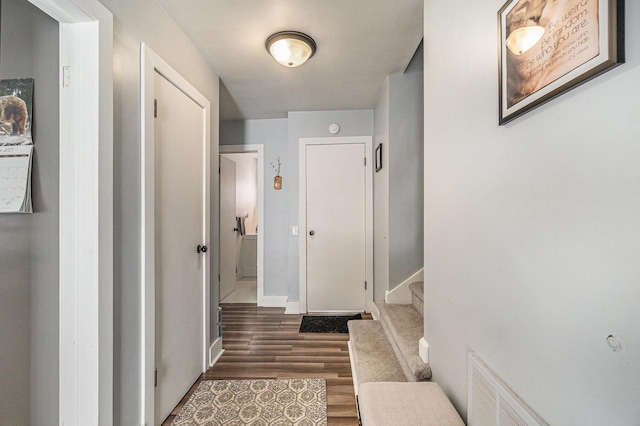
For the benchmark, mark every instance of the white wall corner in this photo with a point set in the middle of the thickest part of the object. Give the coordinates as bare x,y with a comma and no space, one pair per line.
215,351
401,294
249,272
292,308
375,313
423,350
370,306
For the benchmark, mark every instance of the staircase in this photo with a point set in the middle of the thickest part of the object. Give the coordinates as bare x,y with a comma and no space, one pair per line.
391,382
387,350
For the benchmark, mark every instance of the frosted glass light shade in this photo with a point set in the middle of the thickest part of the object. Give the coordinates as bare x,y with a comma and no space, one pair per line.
291,48
524,38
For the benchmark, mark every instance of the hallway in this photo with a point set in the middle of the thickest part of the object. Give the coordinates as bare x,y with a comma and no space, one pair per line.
245,292
265,343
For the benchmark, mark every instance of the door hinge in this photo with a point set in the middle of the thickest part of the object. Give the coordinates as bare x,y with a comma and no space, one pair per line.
365,161
155,377
219,170
155,108
218,278
66,76
365,285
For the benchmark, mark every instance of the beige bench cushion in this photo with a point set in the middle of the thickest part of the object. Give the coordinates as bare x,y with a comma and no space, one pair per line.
406,404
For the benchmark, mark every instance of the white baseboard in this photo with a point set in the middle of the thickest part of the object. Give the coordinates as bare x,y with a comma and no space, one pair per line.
273,301
292,308
375,313
423,350
249,272
215,351
401,294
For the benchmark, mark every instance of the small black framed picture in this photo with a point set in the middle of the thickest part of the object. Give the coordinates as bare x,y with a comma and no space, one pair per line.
379,157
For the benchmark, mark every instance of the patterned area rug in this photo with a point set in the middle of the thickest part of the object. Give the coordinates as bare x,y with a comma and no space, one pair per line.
256,402
326,324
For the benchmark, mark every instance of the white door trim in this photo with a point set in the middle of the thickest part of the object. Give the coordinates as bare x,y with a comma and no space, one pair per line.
367,140
259,149
85,302
151,63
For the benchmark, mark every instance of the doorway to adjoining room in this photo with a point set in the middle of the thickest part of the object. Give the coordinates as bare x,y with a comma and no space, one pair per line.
239,227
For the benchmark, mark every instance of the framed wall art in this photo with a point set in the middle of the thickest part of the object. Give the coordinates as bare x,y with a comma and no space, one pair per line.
547,47
16,105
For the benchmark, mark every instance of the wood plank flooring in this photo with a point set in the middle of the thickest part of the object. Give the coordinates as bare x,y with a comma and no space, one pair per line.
264,343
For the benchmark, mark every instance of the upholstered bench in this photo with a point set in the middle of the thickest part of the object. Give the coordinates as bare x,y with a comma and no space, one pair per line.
406,404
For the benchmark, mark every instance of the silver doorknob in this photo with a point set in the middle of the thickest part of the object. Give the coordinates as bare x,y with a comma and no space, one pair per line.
202,249
312,232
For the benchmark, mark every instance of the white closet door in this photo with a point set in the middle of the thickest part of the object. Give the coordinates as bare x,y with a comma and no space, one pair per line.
179,205
336,231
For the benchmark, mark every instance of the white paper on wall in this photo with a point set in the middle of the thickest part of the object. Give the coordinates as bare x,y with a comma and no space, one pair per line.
15,179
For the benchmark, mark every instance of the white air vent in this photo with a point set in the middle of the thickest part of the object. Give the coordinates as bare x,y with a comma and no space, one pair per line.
492,402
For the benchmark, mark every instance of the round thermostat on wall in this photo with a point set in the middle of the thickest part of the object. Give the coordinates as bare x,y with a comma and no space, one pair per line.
334,128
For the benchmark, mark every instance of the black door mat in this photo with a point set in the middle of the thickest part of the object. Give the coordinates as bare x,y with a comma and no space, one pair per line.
326,324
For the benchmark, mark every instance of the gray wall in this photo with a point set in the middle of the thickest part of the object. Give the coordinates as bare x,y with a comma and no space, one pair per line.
398,187
417,61
381,197
406,176
135,22
29,243
309,125
532,229
281,137
272,134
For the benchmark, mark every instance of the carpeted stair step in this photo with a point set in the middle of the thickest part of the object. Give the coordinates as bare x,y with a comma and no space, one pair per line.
407,404
404,327
417,296
373,358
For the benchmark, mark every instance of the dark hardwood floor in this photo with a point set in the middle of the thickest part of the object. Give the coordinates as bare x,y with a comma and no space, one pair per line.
265,343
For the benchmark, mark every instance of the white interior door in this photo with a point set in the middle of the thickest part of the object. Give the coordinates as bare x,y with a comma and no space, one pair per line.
336,227
228,236
180,183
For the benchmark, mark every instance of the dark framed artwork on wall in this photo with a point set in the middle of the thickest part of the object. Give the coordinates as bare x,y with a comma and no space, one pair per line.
547,47
378,157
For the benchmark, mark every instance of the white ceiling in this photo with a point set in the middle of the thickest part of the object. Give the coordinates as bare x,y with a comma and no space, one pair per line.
359,43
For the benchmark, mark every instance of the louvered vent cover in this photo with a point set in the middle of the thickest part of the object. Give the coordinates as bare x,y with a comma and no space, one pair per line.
492,402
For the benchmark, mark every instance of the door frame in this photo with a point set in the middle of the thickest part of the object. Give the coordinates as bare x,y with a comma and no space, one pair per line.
304,142
151,63
258,149
85,353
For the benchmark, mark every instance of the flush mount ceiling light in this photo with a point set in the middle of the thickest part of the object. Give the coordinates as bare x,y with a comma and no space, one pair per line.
291,48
